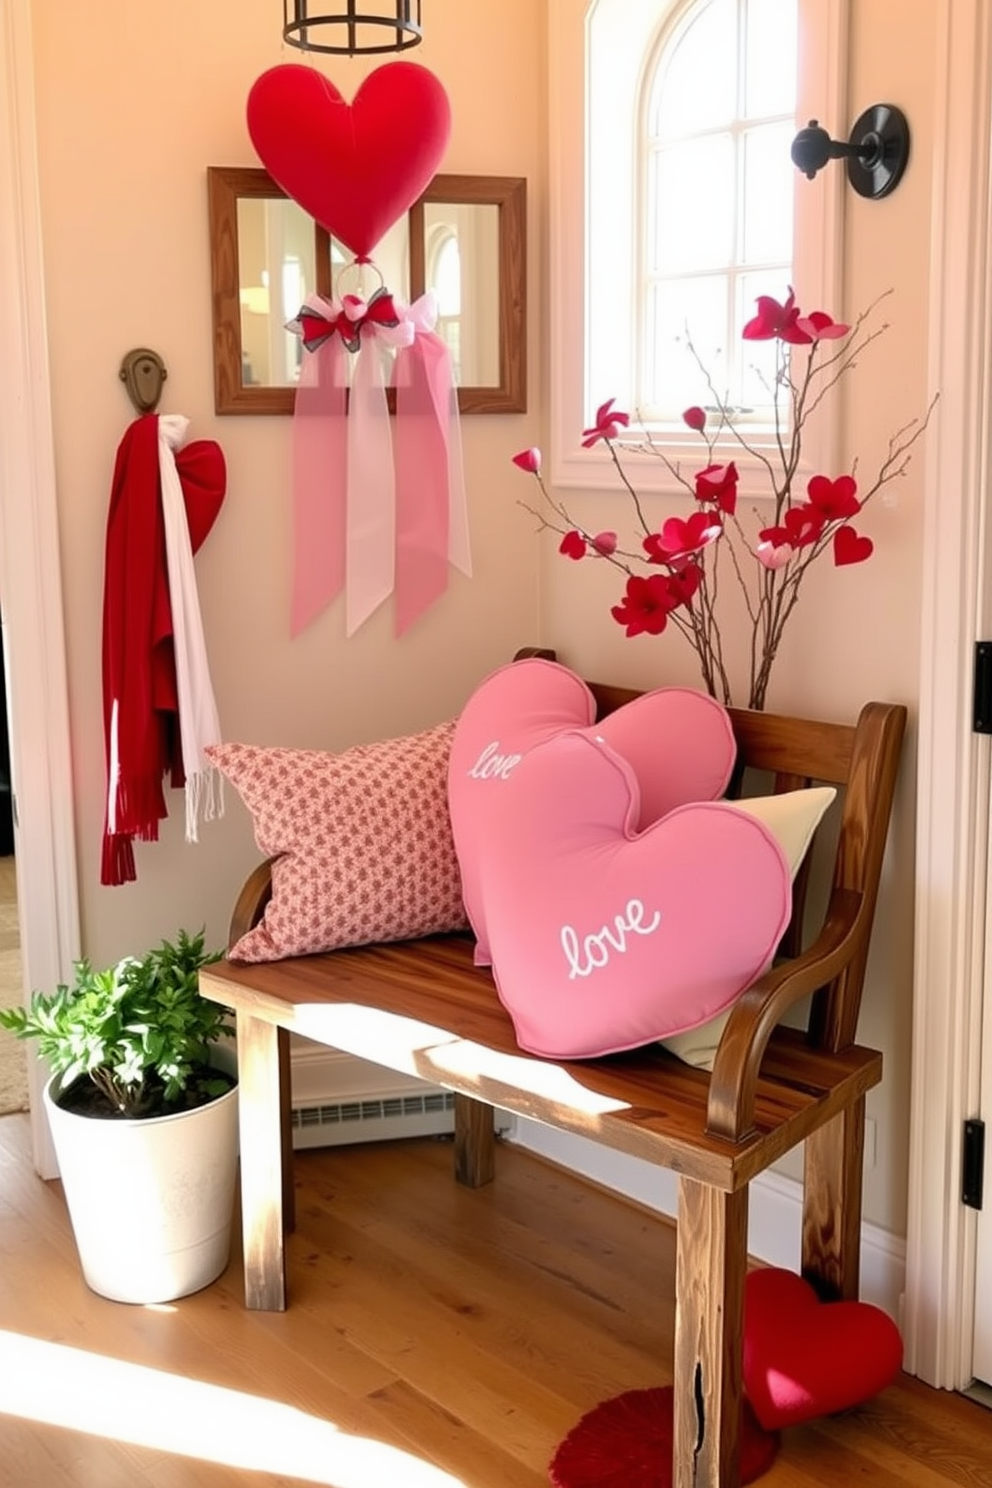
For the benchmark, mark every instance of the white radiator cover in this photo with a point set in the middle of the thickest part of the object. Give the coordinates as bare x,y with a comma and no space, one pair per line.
338,1098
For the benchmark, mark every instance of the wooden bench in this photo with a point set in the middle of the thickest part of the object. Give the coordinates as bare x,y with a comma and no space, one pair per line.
423,1008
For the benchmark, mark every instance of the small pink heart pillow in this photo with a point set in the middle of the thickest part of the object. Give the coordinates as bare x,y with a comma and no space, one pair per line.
804,1358
678,742
604,938
355,167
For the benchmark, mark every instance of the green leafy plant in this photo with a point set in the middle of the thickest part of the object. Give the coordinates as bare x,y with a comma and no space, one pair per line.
140,1032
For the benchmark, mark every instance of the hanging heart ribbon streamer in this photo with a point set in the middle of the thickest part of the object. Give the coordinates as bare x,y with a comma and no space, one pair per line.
375,509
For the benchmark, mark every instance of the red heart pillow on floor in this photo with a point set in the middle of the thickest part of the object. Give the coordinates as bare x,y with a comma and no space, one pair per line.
355,167
804,1358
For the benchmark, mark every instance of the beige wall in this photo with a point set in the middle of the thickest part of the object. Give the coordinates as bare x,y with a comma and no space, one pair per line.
855,635
134,102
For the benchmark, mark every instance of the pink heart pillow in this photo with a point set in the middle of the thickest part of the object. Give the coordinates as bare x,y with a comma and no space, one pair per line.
355,167
679,743
604,938
804,1358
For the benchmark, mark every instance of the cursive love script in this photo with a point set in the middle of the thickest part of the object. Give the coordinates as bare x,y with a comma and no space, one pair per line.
594,951
491,765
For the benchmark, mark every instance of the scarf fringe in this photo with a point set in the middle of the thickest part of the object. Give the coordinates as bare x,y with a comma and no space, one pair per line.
117,860
204,799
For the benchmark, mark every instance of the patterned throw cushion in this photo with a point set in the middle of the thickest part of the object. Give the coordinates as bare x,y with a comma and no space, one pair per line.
362,842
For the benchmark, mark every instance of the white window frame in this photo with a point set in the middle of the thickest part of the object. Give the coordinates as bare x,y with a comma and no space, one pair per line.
823,29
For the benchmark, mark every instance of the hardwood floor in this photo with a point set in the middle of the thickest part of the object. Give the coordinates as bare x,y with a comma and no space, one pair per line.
436,1337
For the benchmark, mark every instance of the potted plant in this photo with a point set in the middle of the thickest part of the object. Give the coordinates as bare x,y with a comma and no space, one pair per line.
142,1104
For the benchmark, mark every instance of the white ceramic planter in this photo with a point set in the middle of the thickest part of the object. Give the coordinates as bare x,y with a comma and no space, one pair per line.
151,1202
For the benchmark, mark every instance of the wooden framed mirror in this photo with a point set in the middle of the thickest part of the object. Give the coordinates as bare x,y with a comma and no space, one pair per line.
465,238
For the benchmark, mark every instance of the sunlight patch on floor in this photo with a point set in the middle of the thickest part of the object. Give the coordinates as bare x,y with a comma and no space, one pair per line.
70,1387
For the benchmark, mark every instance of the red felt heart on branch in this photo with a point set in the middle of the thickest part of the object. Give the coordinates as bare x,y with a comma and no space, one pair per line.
355,167
804,1358
851,547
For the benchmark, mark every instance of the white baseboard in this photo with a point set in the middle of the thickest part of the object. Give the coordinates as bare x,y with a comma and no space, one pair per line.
774,1209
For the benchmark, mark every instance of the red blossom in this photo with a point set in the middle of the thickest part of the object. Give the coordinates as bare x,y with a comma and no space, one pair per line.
529,460
802,525
573,545
836,499
646,605
609,424
604,544
679,538
718,484
822,327
775,320
683,584
695,418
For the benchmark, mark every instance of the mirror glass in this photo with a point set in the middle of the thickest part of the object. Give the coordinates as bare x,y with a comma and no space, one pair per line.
461,265
464,239
277,270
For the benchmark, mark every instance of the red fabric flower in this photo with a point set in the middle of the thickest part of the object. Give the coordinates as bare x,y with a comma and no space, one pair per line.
679,538
718,484
822,327
802,525
604,544
529,460
695,418
775,320
837,499
683,584
608,424
646,605
573,545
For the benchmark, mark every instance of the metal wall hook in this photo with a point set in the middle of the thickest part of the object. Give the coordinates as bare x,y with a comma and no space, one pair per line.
143,374
876,154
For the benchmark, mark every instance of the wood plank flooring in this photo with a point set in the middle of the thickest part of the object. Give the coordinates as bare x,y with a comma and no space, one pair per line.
437,1337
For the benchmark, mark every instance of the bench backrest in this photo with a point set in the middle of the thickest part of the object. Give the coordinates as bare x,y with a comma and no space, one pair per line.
862,760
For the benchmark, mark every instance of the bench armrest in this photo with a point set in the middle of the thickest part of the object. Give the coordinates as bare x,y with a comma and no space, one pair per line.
733,1082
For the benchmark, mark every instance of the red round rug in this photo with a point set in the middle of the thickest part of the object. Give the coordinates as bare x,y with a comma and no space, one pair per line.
626,1442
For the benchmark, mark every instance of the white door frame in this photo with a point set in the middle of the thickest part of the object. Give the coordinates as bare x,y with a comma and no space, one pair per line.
30,574
953,769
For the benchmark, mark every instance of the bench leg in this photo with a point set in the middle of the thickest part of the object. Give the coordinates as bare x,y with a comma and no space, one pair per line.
263,1052
832,1205
711,1262
475,1141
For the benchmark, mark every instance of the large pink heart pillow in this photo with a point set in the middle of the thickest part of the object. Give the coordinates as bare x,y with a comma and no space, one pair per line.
604,938
804,1358
679,743
355,167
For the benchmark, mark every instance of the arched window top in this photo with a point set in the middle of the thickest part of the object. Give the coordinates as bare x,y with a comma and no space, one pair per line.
666,120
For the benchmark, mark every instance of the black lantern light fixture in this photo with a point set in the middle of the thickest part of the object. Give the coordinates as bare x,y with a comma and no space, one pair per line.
876,154
352,27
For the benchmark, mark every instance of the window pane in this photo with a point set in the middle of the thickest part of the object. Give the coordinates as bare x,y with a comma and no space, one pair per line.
767,194
770,58
684,232
691,308
696,86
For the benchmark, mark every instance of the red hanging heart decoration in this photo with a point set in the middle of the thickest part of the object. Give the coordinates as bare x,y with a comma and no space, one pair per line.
804,1358
355,167
851,547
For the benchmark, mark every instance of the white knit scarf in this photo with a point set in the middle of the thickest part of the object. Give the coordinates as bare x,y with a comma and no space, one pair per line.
198,721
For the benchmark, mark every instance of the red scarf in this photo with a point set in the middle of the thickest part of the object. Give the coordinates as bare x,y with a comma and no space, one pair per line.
139,669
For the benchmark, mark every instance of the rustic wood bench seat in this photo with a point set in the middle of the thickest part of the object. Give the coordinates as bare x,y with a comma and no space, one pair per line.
422,1008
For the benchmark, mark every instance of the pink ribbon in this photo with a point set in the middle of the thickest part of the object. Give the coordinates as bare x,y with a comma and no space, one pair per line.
319,466
431,514
364,520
